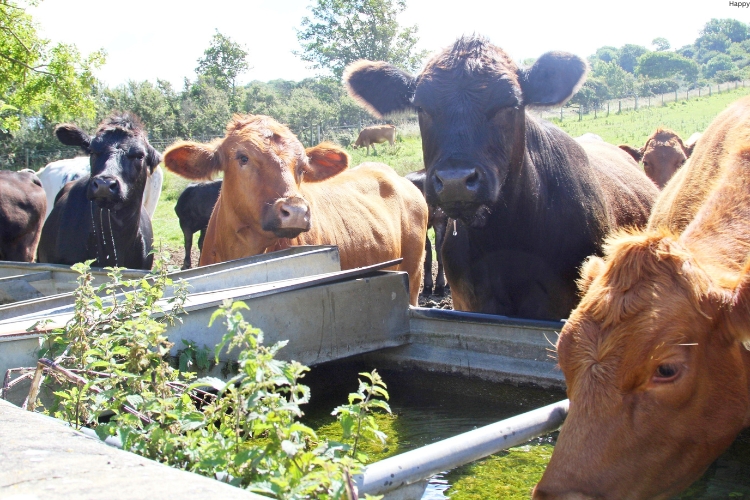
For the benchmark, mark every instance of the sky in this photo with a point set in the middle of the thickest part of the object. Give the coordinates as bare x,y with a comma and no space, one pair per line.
150,39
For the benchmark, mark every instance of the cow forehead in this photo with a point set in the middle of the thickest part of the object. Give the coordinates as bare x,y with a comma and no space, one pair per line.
265,146
117,139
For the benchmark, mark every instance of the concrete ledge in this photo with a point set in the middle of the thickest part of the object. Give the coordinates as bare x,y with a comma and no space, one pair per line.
42,458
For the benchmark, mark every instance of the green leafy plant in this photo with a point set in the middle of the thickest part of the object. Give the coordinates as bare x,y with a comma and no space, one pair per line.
112,369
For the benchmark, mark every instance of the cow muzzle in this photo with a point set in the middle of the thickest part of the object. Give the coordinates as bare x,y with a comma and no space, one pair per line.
461,193
288,217
105,191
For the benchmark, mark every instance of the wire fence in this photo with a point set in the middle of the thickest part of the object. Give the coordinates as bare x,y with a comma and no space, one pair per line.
635,103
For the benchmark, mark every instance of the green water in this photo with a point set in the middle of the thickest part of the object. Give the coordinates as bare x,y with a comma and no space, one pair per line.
428,407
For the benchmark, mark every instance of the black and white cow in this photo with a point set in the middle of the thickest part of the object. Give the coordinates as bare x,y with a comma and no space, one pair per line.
101,216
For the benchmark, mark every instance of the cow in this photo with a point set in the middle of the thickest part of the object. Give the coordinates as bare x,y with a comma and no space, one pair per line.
531,203
101,216
655,356
437,220
277,194
56,174
375,134
662,155
193,209
22,206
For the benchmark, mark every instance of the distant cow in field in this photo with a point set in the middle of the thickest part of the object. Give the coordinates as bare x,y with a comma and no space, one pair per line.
101,216
439,222
531,202
22,206
58,173
662,155
375,134
655,356
193,209
276,194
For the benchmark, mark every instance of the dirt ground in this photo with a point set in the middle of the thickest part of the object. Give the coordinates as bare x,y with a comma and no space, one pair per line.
176,256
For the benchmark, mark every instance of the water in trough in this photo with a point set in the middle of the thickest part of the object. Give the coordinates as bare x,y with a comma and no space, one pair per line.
429,407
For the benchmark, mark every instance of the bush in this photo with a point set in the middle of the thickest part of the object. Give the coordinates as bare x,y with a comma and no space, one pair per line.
112,367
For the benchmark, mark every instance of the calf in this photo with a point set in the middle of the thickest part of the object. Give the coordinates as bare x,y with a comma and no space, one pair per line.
375,134
437,220
276,194
531,203
655,356
193,209
22,206
662,155
101,216
58,173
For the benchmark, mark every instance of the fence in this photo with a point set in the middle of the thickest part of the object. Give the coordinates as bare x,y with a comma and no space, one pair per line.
635,103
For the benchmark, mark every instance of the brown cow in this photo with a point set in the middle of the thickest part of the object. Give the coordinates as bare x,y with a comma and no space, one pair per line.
662,155
658,376
22,208
375,134
277,194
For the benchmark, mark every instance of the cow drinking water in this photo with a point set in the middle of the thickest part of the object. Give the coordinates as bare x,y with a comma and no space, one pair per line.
101,216
276,194
531,202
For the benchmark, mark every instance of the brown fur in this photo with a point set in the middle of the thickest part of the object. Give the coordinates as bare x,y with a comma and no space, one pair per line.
672,299
375,134
370,212
662,155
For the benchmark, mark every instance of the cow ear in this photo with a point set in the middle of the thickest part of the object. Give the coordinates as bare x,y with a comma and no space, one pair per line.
72,135
153,158
552,79
637,154
591,268
737,311
325,160
192,160
379,87
688,150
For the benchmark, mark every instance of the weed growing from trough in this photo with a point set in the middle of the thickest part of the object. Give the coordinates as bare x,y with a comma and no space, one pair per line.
112,371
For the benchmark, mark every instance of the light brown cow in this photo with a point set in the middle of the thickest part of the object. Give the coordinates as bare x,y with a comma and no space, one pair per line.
662,155
375,134
277,194
653,356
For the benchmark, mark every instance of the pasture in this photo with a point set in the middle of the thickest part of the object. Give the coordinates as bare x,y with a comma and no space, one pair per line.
629,127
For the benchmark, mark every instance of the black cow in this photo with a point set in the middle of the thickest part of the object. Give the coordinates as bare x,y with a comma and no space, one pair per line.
100,216
22,208
531,202
437,220
193,208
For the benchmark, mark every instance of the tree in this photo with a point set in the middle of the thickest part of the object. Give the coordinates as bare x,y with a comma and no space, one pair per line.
721,62
341,31
53,82
661,43
666,65
619,82
734,30
628,56
222,62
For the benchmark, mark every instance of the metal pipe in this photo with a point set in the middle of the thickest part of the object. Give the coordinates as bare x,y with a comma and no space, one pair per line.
416,465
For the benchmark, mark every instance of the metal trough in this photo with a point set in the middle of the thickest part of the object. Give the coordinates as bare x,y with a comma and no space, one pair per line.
290,263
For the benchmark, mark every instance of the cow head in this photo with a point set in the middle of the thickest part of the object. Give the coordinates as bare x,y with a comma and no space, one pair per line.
470,99
264,165
662,155
121,159
655,369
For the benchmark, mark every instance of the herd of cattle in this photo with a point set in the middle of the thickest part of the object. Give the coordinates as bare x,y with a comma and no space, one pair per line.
529,222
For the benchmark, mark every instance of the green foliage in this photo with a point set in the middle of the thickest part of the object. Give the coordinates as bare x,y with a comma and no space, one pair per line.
660,43
222,62
665,65
340,32
628,55
720,62
732,29
113,374
619,82
38,78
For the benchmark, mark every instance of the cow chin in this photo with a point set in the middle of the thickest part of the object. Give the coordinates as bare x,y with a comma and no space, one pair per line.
288,232
108,203
472,215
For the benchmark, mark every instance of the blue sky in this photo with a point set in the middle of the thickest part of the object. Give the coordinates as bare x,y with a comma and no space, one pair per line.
149,39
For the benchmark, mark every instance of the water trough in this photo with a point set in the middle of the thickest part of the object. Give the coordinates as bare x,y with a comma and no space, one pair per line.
328,314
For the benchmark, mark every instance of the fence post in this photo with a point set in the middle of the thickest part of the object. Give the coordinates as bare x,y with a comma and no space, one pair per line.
675,95
607,108
561,113
619,107
636,104
662,99
699,91
687,95
580,115
709,91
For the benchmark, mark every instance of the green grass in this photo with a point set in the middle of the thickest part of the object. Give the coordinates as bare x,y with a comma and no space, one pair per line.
634,127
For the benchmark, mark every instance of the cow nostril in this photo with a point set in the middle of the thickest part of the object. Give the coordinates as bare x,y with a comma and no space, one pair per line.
472,180
438,183
285,213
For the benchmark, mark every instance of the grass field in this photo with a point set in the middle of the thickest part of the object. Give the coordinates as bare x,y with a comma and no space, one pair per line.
631,127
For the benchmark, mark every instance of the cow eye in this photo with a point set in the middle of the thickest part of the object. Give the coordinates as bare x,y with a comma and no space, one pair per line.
666,372
242,159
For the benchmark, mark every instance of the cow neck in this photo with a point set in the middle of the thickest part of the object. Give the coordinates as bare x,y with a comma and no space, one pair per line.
114,231
242,239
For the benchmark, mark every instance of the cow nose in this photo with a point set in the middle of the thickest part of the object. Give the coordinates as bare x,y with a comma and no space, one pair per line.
456,184
293,213
104,187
